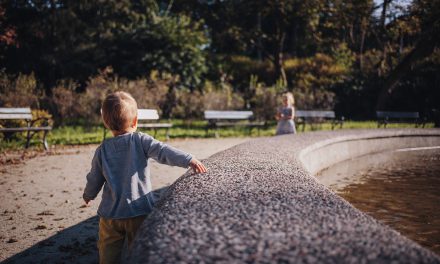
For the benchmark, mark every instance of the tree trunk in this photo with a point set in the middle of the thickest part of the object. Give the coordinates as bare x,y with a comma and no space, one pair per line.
279,60
383,38
260,42
293,36
351,34
52,63
361,46
170,101
383,15
279,42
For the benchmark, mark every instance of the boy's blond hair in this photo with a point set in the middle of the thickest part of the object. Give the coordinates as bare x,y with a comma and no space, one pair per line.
290,98
119,110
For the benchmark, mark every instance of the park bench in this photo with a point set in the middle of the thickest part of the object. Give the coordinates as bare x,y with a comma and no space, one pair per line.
30,128
316,117
145,118
386,117
217,119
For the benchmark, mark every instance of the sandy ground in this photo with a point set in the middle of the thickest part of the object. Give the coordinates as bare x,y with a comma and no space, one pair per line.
42,213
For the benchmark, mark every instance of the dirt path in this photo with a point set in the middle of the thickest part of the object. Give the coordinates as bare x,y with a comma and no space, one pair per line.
42,213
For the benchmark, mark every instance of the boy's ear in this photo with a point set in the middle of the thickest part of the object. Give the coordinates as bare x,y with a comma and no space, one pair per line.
135,121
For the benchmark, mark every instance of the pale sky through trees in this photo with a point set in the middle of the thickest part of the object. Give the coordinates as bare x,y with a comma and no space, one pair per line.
396,7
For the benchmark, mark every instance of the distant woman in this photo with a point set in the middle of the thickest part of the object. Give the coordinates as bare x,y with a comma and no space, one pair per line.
285,115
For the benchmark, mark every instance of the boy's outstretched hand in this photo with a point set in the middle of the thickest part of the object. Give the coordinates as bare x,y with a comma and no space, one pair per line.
197,166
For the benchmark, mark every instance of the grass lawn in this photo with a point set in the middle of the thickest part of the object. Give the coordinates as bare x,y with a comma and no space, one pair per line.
78,135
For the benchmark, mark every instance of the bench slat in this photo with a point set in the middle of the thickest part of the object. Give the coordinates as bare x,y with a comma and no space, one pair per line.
15,113
152,114
390,114
147,114
231,124
210,114
23,129
16,116
314,113
155,125
22,110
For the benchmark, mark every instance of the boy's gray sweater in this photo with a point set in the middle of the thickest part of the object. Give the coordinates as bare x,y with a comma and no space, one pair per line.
120,165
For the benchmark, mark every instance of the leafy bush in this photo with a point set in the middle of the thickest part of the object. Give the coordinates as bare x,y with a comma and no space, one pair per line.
19,91
311,78
41,118
189,105
64,101
313,99
241,68
149,93
222,98
264,100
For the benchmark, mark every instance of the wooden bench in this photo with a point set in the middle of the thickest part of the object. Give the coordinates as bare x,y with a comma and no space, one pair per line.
30,129
145,116
218,119
386,117
313,117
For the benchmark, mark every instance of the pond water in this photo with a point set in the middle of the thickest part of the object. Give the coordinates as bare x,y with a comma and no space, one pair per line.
400,188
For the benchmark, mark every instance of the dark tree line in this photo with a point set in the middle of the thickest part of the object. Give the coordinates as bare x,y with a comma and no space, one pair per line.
368,54
74,39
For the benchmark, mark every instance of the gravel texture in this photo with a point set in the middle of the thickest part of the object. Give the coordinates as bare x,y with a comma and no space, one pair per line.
258,204
42,214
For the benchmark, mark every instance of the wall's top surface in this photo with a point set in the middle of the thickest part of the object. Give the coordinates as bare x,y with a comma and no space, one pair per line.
259,204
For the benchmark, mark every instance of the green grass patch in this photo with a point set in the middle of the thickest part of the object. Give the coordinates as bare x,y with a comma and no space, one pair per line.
79,135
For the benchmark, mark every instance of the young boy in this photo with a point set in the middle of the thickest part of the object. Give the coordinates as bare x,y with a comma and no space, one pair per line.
120,165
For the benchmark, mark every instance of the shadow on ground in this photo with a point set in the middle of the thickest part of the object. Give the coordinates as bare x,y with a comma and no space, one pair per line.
76,244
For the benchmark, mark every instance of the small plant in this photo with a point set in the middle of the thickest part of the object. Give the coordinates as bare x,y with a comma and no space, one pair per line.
222,99
19,91
65,102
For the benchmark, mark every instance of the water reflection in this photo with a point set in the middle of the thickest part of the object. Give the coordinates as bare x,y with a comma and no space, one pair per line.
400,188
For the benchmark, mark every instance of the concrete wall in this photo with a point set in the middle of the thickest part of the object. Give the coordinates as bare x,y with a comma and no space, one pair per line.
325,153
259,203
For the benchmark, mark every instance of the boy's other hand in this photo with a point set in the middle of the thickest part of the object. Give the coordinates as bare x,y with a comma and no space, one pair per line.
197,166
87,202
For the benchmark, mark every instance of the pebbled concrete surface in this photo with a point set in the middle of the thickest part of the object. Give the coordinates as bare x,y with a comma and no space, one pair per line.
257,204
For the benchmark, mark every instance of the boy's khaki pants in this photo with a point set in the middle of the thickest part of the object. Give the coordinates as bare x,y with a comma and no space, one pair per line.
112,233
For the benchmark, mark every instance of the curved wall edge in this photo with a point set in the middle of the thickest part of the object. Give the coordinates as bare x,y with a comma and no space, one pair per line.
326,153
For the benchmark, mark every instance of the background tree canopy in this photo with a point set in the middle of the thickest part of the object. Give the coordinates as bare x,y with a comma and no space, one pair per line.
353,56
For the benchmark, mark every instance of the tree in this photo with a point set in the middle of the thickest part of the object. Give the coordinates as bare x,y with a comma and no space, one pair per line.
428,12
346,22
259,29
169,44
73,39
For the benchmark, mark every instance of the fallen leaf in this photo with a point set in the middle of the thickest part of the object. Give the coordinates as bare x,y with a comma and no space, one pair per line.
12,240
47,212
39,227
